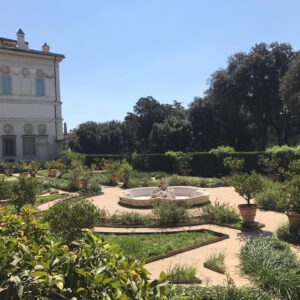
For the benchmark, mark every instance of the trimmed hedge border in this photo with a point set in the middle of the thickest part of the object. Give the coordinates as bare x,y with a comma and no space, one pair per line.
203,164
220,237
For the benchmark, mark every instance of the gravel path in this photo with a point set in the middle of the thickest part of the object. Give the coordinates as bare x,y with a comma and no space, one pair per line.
230,247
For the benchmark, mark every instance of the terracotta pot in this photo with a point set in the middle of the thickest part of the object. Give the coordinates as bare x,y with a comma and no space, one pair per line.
84,184
294,217
24,174
248,212
76,183
114,179
125,180
8,172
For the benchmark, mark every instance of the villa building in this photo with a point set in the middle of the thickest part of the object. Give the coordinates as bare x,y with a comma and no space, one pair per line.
30,104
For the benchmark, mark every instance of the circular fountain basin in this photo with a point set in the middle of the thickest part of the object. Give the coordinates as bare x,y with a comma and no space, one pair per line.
184,195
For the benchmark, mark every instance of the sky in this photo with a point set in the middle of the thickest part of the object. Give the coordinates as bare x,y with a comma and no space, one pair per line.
118,51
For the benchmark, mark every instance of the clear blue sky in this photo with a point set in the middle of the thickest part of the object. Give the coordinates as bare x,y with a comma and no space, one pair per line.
120,50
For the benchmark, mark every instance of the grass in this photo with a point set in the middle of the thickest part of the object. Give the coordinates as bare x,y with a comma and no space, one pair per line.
222,213
272,266
217,261
178,273
138,246
48,198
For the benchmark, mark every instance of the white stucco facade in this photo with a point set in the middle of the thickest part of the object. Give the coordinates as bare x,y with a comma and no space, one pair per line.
30,120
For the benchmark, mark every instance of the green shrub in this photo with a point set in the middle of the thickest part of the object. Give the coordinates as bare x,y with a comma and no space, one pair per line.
178,272
292,187
168,213
272,196
288,233
68,158
222,213
24,191
94,187
234,164
229,292
33,266
130,218
5,189
222,150
272,265
181,161
247,185
68,218
195,181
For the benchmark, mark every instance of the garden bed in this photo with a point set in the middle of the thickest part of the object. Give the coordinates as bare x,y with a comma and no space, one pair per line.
213,268
156,246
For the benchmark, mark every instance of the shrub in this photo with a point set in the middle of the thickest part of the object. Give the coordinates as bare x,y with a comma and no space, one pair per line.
33,266
293,189
181,161
24,191
178,272
94,187
247,185
195,181
125,168
222,213
221,150
272,265
234,164
272,196
5,189
288,233
130,218
68,218
68,157
168,213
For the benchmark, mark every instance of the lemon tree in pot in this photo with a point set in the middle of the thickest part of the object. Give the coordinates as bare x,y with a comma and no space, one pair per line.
76,172
86,175
125,171
247,185
112,169
292,187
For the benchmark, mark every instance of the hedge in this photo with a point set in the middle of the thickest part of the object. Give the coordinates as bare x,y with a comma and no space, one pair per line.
203,164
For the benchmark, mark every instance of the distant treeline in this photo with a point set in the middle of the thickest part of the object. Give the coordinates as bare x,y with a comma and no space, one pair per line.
253,103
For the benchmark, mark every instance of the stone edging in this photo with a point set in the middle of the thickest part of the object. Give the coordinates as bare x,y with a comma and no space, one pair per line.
186,281
213,268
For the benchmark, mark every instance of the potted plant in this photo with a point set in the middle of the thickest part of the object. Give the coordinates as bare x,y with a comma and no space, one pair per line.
76,172
33,168
292,188
50,165
85,177
234,164
247,185
112,169
125,171
9,168
59,165
23,168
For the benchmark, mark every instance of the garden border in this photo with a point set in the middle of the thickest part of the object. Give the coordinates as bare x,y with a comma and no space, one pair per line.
213,268
220,237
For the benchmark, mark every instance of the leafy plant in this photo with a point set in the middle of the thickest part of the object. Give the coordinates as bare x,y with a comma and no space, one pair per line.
273,266
177,273
34,266
112,167
6,188
247,185
234,164
24,191
222,213
67,219
68,157
292,187
168,213
130,218
77,169
181,160
288,233
125,168
222,150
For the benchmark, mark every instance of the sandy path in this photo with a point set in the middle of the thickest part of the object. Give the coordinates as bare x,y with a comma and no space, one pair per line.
230,247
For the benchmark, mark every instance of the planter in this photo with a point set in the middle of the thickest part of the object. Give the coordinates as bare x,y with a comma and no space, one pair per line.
76,183
294,217
248,212
84,184
52,173
24,174
114,179
33,173
125,180
8,172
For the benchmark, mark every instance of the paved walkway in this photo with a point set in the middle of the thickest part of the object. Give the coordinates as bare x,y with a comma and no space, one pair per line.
230,247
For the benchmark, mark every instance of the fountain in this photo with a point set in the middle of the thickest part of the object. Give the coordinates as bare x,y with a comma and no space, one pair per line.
149,196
